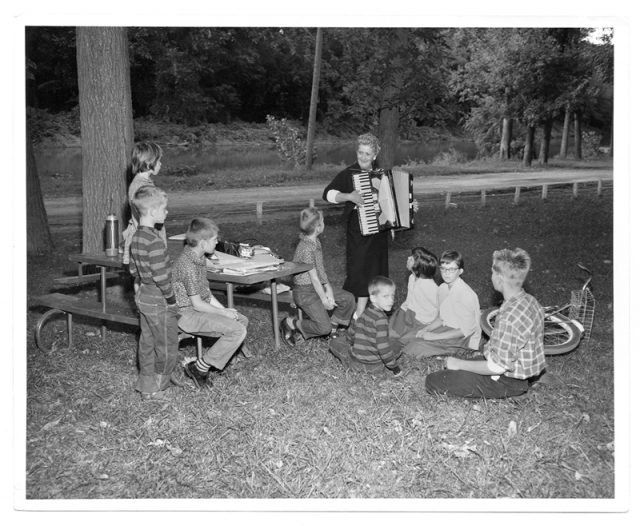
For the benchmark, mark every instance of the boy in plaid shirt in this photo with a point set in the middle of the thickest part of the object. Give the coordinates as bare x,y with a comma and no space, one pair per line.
149,265
515,352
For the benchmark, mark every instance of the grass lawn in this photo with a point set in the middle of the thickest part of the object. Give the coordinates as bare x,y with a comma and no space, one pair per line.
293,424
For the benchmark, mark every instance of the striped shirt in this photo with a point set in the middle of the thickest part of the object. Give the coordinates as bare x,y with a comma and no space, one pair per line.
150,261
517,340
369,339
310,252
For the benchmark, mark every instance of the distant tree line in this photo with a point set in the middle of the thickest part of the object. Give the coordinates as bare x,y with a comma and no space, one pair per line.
498,84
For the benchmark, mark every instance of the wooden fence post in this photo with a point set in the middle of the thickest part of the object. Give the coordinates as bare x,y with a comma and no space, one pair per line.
545,190
575,190
516,198
447,200
599,187
312,203
259,212
483,197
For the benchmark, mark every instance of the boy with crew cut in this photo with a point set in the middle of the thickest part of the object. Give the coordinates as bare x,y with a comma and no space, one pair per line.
149,265
515,351
200,312
312,291
366,346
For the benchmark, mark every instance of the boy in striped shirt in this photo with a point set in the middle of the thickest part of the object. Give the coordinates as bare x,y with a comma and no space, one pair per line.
366,346
149,265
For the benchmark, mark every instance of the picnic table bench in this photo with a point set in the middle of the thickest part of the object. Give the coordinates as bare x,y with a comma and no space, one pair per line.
245,287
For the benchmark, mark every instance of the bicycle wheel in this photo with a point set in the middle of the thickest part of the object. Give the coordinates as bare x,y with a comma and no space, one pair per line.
561,334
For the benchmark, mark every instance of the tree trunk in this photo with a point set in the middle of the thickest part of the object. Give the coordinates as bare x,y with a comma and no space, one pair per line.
505,141
311,130
578,137
389,109
38,233
546,141
106,126
564,143
528,146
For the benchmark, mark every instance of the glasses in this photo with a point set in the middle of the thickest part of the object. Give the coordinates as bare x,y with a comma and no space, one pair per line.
445,270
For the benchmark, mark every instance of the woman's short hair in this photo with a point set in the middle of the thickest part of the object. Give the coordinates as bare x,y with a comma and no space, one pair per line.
369,139
425,264
309,218
199,229
145,156
148,197
451,256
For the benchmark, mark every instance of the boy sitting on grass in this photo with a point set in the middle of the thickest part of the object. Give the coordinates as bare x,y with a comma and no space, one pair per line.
312,291
515,352
149,265
366,346
199,311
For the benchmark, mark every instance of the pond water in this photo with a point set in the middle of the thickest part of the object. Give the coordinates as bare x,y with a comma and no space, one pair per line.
69,160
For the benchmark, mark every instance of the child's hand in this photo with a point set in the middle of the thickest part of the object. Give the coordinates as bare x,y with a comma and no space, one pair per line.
230,313
328,305
451,363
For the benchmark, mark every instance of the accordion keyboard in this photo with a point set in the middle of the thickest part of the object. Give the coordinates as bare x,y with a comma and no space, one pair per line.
367,213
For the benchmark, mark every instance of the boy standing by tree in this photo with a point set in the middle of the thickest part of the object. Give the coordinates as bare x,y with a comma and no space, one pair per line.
515,352
149,265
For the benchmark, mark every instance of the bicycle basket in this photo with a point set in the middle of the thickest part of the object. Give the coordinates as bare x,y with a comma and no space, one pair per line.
583,306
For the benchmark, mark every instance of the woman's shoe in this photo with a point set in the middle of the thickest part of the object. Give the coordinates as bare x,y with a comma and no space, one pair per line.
287,334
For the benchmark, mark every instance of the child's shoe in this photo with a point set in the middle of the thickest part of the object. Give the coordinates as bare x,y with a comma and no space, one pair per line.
158,395
192,372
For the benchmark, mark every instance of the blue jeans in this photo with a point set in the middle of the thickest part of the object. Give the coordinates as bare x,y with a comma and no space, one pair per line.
158,345
319,322
230,333
471,385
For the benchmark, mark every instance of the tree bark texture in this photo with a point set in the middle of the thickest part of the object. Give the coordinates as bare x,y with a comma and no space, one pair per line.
546,142
564,143
38,234
106,126
311,130
578,137
389,110
528,146
505,141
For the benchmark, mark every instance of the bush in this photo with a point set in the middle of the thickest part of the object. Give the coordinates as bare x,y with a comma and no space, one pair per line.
290,143
451,156
590,143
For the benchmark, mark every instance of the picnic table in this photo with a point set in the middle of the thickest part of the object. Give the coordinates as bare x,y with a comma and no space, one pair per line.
240,286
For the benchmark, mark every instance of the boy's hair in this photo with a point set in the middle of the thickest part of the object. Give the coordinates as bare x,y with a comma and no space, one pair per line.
148,197
377,283
424,263
145,156
512,265
309,219
451,256
199,229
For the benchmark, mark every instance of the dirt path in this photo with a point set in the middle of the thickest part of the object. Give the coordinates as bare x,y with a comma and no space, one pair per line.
239,205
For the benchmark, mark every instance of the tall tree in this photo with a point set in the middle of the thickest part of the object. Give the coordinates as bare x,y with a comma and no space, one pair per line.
38,233
311,129
106,128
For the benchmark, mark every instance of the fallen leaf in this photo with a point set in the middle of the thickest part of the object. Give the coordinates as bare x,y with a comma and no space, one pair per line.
104,424
586,417
578,475
51,424
175,451
513,428
104,476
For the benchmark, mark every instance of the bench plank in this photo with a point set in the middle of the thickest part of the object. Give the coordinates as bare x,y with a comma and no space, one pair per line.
73,280
87,307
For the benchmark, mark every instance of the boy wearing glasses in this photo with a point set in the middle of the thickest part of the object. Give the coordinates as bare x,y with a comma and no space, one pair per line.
515,352
458,321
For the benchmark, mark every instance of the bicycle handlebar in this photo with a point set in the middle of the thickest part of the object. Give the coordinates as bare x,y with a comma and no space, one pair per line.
586,284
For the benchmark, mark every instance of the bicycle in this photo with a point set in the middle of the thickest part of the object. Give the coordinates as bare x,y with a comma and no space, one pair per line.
562,332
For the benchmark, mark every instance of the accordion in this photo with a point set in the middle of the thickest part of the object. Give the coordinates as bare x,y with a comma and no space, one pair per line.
388,200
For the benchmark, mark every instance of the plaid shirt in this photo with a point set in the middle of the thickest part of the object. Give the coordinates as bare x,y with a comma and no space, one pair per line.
150,261
190,278
517,340
369,337
310,252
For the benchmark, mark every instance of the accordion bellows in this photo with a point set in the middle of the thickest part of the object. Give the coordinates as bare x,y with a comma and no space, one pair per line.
388,200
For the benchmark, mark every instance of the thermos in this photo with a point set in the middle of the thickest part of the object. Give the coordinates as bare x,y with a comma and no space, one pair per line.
111,236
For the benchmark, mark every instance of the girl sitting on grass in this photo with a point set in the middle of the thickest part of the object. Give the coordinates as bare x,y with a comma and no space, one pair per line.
421,306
